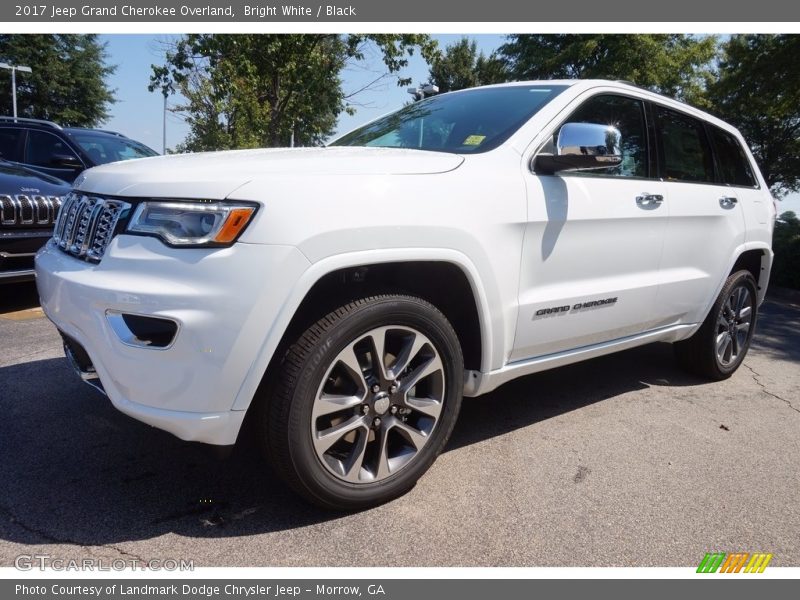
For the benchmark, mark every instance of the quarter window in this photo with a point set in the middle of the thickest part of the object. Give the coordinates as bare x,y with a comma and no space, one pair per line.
627,115
732,161
686,151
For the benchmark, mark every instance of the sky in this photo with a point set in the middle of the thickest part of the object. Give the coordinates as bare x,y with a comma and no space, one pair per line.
138,113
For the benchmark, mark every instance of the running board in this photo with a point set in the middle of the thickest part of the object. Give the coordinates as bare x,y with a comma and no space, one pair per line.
477,383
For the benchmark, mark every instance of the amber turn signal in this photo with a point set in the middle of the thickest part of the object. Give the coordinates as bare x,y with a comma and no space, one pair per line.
238,218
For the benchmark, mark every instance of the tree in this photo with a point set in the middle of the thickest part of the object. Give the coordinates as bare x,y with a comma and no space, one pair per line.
786,244
676,65
462,66
68,82
245,91
758,91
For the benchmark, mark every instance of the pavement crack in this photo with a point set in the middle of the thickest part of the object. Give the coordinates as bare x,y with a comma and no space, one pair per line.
55,539
757,378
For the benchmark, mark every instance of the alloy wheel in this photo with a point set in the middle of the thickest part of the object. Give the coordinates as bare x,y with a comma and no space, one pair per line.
378,403
733,325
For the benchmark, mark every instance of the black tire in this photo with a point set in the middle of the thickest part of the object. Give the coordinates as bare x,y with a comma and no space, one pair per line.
285,429
698,354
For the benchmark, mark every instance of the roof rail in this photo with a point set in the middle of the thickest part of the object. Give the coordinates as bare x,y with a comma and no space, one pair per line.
7,119
108,131
633,84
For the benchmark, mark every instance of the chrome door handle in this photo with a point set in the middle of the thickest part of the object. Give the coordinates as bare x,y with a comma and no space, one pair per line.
728,201
646,200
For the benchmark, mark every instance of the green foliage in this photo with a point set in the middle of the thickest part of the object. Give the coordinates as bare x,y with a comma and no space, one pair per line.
68,80
758,91
247,90
786,245
676,65
462,66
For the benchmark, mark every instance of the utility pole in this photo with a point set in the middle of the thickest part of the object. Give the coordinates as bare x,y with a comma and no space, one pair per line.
14,69
164,127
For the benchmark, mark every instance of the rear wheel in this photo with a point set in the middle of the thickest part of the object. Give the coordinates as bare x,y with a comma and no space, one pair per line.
718,348
365,400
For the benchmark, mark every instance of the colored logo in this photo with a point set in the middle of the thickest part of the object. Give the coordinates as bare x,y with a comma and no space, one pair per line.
737,562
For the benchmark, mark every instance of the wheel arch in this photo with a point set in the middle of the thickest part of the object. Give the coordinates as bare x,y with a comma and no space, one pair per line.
311,298
758,261
755,257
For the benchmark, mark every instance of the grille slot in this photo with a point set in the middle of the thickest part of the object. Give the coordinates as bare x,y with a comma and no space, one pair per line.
86,225
29,210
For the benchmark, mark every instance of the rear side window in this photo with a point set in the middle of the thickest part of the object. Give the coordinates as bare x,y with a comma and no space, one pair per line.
734,168
686,151
9,140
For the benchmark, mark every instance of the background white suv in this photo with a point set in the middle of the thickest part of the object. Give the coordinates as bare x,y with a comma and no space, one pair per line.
345,298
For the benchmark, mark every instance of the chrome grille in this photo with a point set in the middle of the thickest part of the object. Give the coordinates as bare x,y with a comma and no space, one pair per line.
29,210
86,225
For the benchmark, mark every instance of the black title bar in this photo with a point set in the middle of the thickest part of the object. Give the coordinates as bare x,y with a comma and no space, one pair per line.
470,11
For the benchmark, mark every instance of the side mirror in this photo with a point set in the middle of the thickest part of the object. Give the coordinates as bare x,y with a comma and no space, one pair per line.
581,147
66,161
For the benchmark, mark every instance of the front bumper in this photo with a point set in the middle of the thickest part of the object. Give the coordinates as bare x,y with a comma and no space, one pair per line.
224,301
17,249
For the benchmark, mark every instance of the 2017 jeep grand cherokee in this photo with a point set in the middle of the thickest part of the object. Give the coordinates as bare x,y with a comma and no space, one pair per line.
349,296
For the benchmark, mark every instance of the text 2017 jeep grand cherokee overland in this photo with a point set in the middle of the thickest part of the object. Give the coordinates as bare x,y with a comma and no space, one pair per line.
347,297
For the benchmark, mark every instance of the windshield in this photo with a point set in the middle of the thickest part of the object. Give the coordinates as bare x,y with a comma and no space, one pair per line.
103,149
465,122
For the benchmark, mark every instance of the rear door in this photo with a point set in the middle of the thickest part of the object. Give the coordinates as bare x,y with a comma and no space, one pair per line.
593,242
706,222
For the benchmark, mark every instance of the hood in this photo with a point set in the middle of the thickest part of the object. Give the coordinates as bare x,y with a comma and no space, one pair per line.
16,179
215,175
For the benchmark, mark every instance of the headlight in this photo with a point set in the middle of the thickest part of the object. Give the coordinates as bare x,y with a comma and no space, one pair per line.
191,223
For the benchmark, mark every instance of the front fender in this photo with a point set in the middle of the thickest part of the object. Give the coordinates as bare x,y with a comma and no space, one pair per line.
491,332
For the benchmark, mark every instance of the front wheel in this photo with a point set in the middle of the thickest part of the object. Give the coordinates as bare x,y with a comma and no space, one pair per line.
365,400
718,348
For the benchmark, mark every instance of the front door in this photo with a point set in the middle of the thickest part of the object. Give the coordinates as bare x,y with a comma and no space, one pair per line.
593,243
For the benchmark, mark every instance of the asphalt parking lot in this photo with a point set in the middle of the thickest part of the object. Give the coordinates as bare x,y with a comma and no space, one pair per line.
623,461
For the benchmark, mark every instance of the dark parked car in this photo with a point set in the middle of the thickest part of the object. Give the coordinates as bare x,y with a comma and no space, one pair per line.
29,203
64,152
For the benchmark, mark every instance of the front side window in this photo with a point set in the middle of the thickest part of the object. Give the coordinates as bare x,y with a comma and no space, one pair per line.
102,149
732,161
465,122
9,139
627,115
43,148
686,151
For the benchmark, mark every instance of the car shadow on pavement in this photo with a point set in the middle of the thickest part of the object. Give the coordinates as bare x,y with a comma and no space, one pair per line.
76,471
529,400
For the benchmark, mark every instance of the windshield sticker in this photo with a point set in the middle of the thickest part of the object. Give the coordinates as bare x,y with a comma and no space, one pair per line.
474,140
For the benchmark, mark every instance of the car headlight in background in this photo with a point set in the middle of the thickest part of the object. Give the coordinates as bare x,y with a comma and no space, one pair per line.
191,223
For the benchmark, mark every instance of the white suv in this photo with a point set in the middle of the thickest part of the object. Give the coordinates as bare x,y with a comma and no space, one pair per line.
345,298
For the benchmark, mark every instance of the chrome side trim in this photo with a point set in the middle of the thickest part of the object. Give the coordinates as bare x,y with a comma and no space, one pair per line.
477,383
